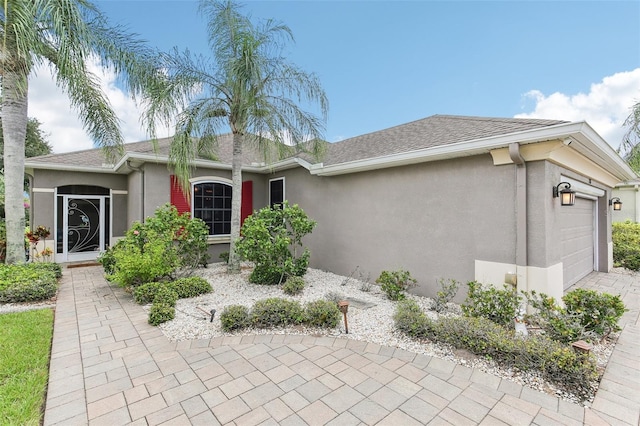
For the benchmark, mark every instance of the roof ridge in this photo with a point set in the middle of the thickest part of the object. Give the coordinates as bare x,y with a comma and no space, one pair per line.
481,118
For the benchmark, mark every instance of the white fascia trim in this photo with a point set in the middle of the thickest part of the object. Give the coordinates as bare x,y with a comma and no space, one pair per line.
289,163
165,160
594,147
580,131
69,168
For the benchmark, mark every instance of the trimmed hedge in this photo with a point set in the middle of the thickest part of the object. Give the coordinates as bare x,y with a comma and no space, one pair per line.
161,312
145,293
163,296
31,282
294,285
278,312
184,287
557,362
235,317
191,287
274,312
322,313
626,244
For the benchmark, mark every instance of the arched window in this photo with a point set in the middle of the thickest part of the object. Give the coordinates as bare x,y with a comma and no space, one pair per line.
212,204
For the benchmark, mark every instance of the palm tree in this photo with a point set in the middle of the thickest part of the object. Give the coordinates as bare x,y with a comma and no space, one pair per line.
630,145
250,88
64,35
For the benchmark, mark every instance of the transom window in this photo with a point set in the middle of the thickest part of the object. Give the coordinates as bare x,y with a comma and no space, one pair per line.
212,204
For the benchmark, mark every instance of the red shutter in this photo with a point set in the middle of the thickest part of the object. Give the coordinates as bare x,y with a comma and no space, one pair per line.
246,206
178,198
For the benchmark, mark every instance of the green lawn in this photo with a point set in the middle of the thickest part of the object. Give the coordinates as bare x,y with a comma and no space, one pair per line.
25,347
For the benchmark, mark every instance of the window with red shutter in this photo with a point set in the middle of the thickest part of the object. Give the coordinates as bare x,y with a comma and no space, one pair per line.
178,198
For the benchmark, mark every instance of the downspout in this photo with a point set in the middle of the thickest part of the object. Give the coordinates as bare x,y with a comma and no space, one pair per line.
141,171
522,260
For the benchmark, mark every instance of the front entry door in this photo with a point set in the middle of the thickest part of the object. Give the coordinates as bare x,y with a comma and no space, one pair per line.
83,236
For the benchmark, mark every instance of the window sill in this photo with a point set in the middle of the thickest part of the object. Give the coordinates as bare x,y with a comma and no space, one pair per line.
218,239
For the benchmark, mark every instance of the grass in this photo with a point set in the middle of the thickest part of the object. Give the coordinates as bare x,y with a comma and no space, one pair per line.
25,347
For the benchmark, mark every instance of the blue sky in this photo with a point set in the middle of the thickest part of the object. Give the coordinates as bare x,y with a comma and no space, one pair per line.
384,63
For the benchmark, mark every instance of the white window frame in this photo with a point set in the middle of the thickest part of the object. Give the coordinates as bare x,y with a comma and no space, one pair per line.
212,239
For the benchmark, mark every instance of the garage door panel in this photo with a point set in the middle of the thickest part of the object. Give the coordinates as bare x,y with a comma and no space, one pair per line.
577,236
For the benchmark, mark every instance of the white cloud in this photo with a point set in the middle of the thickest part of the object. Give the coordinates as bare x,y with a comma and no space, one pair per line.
605,107
60,122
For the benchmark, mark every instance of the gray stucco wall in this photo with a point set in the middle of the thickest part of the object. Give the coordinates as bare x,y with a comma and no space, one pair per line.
135,187
433,219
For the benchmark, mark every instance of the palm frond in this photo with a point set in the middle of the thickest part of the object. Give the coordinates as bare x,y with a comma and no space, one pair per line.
631,138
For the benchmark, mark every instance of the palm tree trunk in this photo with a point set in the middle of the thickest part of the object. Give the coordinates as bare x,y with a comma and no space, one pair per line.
14,128
236,201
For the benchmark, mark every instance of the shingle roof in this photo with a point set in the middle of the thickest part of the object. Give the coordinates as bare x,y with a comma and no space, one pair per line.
95,157
428,132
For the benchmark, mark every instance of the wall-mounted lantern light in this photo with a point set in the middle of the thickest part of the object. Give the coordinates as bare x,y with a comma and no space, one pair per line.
567,196
616,203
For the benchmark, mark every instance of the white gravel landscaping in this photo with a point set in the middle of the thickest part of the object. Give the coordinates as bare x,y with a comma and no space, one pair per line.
372,324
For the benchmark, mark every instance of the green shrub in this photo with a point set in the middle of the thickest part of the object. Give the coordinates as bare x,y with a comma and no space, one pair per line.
224,256
599,312
107,258
272,240
146,293
499,306
448,290
322,313
587,315
184,288
29,282
48,266
396,283
293,285
168,244
410,319
187,236
555,361
275,312
626,244
235,317
165,295
160,313
191,287
140,260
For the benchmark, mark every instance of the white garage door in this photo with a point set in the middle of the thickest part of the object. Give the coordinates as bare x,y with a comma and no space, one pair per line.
578,243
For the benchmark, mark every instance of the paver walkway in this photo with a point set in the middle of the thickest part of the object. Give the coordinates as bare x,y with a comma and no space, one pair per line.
108,366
